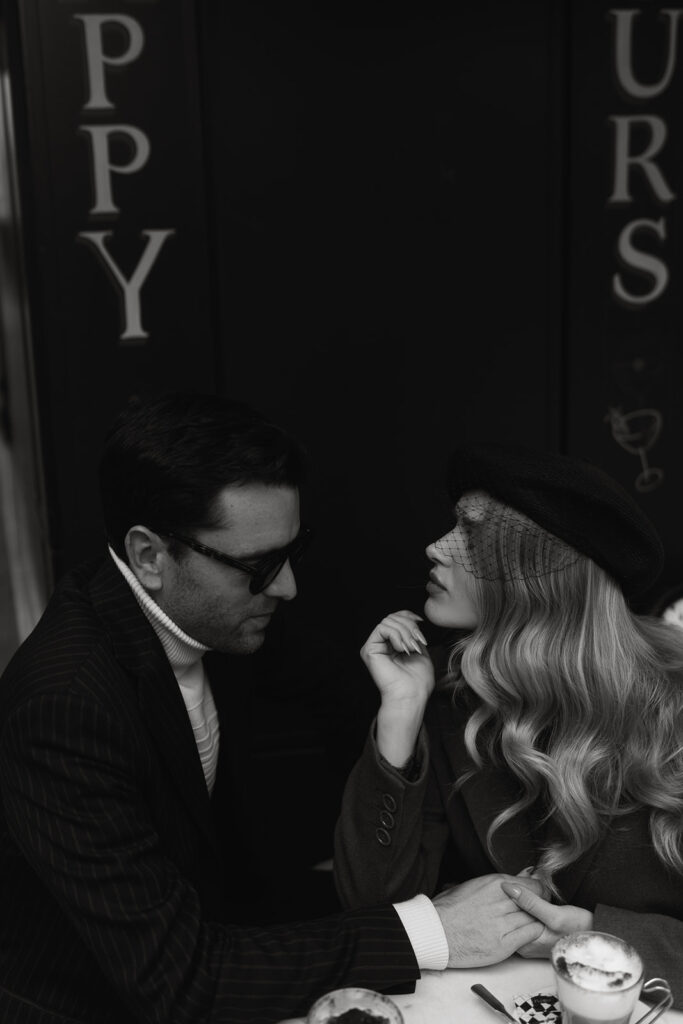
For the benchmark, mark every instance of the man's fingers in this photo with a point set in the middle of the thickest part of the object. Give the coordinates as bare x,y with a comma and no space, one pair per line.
530,902
526,934
518,919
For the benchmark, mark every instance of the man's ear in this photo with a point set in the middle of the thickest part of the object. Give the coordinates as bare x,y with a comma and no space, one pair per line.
147,555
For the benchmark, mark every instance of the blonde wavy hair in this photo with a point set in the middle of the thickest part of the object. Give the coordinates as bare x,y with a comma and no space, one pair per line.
579,698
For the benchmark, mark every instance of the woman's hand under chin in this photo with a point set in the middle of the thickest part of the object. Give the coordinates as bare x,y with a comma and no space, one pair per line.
396,657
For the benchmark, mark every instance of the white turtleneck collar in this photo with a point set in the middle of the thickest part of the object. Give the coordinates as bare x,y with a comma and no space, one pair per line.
185,657
181,650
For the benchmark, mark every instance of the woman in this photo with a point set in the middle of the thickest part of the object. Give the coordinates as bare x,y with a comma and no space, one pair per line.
554,739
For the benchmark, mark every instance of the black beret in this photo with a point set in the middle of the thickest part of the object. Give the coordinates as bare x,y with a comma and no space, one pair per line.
570,498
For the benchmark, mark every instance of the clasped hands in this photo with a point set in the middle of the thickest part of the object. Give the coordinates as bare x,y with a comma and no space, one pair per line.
489,918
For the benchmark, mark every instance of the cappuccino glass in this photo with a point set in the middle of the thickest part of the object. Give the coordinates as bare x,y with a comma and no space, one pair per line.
599,978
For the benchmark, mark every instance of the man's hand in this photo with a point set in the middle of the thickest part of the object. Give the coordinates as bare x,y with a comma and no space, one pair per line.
556,921
482,924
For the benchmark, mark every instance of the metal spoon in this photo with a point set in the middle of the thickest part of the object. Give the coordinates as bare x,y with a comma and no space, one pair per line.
489,998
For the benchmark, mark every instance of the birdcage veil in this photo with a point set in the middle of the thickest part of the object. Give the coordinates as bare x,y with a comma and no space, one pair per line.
493,541
576,502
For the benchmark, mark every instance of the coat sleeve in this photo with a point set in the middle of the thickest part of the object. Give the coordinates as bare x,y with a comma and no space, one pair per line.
657,937
74,810
391,833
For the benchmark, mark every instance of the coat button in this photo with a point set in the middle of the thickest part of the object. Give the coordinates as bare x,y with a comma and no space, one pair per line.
383,836
387,819
389,802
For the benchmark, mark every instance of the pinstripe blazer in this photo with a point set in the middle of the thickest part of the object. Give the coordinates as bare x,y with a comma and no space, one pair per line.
118,873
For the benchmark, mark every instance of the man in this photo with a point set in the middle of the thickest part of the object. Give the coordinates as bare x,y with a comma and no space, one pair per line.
123,861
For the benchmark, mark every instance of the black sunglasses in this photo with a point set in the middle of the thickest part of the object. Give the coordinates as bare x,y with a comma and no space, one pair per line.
262,572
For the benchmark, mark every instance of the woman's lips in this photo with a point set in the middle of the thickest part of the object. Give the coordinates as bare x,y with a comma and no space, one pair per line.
433,584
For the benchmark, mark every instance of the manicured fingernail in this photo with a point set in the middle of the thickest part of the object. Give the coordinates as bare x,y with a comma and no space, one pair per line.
515,891
418,635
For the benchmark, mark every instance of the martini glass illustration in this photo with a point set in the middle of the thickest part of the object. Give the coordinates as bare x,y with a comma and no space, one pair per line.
636,432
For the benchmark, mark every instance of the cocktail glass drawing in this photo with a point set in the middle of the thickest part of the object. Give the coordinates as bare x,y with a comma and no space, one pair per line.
636,432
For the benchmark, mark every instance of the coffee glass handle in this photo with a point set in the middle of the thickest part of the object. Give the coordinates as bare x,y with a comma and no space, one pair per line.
656,986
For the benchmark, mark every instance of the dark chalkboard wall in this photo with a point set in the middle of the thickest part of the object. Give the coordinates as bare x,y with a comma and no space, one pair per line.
624,369
386,210
390,231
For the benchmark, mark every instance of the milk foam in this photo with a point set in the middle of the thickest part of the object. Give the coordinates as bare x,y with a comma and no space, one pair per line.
598,975
597,961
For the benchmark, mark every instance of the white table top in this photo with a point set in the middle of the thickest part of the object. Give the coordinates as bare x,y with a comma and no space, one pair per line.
444,997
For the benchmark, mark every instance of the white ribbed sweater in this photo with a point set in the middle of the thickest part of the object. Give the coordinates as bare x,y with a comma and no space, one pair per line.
185,657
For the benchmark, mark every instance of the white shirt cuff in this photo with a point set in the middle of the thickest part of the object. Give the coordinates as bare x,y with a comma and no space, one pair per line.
425,931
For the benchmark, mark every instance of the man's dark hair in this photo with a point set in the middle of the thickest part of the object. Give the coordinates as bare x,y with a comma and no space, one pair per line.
165,461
